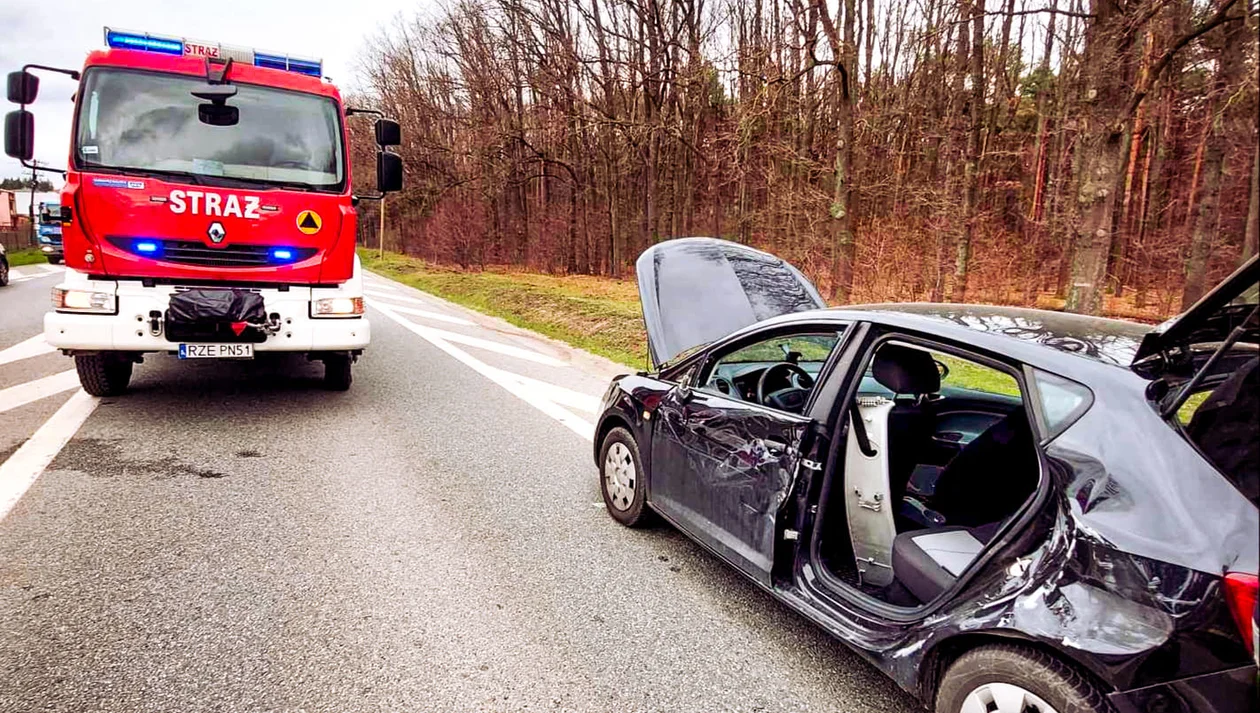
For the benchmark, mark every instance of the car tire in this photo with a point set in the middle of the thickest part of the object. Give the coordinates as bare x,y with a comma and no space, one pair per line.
1005,678
4,273
337,372
621,480
54,261
103,374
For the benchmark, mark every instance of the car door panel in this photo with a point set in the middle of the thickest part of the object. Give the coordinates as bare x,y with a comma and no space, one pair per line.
721,470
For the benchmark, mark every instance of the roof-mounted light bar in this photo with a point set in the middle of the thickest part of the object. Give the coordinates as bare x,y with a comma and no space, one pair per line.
181,46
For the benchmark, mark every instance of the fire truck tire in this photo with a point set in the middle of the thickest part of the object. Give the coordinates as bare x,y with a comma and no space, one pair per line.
103,374
337,376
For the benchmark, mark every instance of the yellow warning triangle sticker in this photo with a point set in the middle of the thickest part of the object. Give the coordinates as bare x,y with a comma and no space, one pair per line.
308,221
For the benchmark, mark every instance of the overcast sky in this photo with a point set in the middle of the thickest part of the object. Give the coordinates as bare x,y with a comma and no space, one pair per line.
60,33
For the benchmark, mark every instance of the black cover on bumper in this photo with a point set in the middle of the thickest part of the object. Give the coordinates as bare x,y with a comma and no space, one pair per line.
207,315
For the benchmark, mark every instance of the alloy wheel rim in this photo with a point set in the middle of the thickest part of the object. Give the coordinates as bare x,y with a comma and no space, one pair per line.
619,476
1004,698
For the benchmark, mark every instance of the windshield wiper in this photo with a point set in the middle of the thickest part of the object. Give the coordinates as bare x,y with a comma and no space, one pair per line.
194,178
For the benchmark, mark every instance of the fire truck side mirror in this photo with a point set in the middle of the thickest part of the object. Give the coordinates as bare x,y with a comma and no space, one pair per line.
389,172
388,133
23,87
19,135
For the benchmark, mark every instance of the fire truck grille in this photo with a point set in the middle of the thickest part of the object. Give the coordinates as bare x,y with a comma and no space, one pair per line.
191,252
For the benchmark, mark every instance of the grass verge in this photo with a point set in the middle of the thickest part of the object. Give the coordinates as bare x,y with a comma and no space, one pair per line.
28,256
597,314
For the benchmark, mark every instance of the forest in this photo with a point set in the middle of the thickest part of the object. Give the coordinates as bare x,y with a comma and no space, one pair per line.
1098,156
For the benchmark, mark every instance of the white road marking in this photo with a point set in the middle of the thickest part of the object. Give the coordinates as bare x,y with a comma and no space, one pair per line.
26,349
431,315
488,345
381,285
16,274
23,394
507,380
51,268
28,462
392,296
557,394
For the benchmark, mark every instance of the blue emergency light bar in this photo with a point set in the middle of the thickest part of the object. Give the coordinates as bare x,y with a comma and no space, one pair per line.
182,46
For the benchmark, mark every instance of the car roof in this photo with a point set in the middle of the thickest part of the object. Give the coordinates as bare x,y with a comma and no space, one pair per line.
1030,335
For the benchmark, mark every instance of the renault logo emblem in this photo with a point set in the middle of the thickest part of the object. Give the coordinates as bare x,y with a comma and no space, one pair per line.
216,232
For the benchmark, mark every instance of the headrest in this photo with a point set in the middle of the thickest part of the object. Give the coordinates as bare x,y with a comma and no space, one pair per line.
905,370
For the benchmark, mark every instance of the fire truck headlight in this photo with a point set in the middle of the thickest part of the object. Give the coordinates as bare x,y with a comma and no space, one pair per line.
84,301
337,307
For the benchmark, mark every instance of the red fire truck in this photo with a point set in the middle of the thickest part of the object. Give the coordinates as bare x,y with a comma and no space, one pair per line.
207,210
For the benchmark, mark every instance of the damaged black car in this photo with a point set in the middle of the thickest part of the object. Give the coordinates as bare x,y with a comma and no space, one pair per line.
1003,509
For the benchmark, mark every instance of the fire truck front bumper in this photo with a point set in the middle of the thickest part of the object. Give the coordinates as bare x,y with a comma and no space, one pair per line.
125,315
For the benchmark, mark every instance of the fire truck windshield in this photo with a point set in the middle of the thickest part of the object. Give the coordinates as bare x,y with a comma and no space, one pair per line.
148,123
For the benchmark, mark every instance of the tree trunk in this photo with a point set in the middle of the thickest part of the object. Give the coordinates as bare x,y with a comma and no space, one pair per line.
1231,121
1252,235
971,170
1101,147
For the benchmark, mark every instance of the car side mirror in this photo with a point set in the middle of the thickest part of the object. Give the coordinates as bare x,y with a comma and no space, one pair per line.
389,172
684,392
23,87
19,133
388,132
941,369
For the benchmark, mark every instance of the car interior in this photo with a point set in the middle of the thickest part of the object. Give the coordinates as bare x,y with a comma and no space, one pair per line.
937,457
778,373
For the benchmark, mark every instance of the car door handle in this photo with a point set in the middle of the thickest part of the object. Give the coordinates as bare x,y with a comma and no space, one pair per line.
775,448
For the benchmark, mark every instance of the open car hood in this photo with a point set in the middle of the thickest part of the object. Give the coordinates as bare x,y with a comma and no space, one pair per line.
1211,319
697,290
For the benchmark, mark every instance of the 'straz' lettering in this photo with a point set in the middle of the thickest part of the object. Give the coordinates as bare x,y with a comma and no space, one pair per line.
207,203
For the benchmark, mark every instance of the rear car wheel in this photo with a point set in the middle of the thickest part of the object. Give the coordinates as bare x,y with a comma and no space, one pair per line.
103,373
337,376
1013,679
621,479
54,260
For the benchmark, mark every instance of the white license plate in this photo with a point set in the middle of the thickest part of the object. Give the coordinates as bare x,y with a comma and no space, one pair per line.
216,351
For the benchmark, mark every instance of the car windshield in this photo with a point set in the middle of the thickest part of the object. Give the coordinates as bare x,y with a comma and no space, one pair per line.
148,122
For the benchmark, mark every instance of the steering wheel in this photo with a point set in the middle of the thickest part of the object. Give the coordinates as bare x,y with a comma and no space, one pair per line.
791,398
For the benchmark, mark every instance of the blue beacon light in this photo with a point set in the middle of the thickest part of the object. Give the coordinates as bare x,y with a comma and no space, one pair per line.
177,46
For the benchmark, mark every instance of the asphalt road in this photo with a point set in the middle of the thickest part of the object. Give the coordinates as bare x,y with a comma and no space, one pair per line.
230,537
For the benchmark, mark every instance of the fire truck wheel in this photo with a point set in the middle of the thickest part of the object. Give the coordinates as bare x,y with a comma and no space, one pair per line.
103,374
337,376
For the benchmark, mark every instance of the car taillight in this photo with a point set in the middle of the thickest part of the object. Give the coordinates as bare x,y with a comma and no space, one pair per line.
1240,594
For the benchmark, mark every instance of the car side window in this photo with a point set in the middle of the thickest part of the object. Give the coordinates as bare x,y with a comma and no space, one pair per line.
778,372
958,375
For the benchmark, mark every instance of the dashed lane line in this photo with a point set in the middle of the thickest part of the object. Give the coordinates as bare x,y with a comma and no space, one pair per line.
23,394
28,462
514,385
35,346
